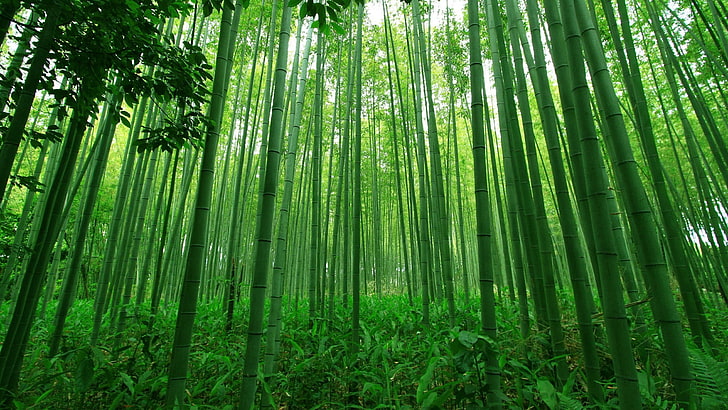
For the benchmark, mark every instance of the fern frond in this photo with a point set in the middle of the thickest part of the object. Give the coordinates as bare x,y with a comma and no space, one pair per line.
711,379
568,403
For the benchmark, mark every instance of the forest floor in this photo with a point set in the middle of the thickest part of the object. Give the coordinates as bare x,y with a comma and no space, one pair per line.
400,363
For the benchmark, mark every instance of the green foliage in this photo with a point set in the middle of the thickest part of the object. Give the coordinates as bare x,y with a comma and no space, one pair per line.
208,6
29,182
84,376
182,77
187,130
181,74
116,47
468,355
51,134
399,364
8,224
711,379
327,15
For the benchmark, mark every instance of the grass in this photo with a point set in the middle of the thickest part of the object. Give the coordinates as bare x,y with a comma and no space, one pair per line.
400,363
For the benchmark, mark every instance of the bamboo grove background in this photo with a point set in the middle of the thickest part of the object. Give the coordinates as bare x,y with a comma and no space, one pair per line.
310,165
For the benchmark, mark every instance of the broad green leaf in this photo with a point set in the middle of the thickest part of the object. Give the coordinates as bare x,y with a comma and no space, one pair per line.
429,400
124,120
219,388
337,28
373,387
443,397
467,339
502,359
426,378
332,13
127,381
548,393
42,397
85,371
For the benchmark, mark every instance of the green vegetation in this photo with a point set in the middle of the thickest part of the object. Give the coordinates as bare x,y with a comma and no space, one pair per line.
291,204
401,363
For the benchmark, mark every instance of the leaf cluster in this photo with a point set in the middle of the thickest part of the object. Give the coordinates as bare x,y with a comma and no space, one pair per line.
326,16
181,77
29,182
8,226
101,40
208,6
398,363
174,134
52,134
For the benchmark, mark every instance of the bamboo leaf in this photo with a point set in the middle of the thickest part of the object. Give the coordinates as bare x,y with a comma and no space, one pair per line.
548,393
426,378
85,371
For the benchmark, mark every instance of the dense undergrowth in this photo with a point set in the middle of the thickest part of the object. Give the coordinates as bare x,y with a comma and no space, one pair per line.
400,363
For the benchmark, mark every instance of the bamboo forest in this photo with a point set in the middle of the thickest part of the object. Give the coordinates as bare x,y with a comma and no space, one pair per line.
368,204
